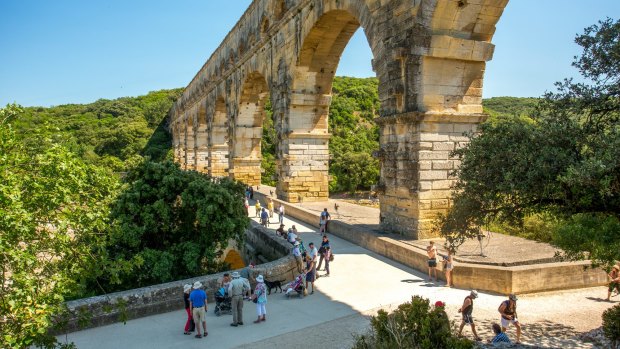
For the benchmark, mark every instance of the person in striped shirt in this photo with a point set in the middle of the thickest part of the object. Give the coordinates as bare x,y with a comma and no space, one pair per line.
499,335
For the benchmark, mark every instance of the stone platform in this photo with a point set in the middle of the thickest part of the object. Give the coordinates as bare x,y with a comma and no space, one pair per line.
510,265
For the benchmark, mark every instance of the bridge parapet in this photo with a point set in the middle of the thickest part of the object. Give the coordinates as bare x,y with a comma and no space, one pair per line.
115,307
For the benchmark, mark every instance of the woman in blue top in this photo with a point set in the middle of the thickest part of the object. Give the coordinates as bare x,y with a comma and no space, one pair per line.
260,296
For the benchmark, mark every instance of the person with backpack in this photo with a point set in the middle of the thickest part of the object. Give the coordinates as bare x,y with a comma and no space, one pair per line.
324,244
467,309
508,312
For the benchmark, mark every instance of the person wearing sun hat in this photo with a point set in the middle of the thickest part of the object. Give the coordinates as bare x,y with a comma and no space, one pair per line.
508,312
198,305
237,288
260,298
467,309
189,324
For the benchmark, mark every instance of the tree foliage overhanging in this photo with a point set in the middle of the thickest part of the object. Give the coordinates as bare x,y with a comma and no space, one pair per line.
53,216
69,228
170,224
563,161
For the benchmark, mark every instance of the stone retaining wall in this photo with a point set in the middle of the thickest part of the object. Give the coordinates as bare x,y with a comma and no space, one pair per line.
157,299
503,280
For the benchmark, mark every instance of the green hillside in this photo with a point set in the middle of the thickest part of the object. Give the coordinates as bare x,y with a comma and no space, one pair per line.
114,134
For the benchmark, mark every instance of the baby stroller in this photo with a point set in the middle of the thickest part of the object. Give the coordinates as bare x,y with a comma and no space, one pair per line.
296,286
222,303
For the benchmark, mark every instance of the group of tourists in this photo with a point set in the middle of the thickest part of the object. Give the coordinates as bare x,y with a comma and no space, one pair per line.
237,289
265,213
508,316
447,261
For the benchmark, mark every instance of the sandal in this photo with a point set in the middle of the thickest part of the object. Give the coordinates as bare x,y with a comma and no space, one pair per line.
198,336
188,333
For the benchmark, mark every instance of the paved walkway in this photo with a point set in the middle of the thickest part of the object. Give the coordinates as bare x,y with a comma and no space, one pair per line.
361,282
498,249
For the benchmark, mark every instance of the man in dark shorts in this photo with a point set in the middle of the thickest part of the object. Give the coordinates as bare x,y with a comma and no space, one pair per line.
431,251
467,309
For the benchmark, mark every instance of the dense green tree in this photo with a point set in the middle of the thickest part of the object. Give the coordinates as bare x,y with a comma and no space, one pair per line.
564,161
170,224
53,213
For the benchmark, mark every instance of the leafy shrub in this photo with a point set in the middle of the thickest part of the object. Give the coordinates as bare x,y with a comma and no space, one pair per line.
414,325
611,324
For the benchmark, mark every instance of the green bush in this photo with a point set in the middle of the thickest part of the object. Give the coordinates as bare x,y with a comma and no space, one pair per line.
611,324
414,325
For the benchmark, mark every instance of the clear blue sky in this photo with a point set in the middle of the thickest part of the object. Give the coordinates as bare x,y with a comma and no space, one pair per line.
77,51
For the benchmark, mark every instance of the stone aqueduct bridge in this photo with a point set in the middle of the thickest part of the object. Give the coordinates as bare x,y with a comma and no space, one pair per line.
429,57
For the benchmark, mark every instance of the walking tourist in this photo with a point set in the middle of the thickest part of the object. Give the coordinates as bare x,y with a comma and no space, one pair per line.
447,267
246,204
431,251
260,298
500,337
310,272
237,289
281,214
297,255
198,305
189,324
251,193
325,218
328,256
614,281
467,309
257,208
324,244
508,312
264,217
270,208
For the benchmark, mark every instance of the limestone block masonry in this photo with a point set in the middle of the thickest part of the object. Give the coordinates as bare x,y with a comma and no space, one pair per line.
107,309
428,55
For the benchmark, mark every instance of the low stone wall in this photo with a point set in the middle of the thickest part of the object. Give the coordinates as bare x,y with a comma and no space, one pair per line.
157,299
497,279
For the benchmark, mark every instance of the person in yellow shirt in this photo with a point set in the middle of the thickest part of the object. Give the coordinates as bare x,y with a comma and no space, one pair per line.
270,208
258,208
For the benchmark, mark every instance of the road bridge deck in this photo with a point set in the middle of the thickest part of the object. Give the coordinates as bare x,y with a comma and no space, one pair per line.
361,281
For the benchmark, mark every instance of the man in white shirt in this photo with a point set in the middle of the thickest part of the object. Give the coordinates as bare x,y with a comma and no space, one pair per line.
313,252
281,214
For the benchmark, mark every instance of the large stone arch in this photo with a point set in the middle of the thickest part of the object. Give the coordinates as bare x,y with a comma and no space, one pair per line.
218,140
429,57
324,35
201,138
248,129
